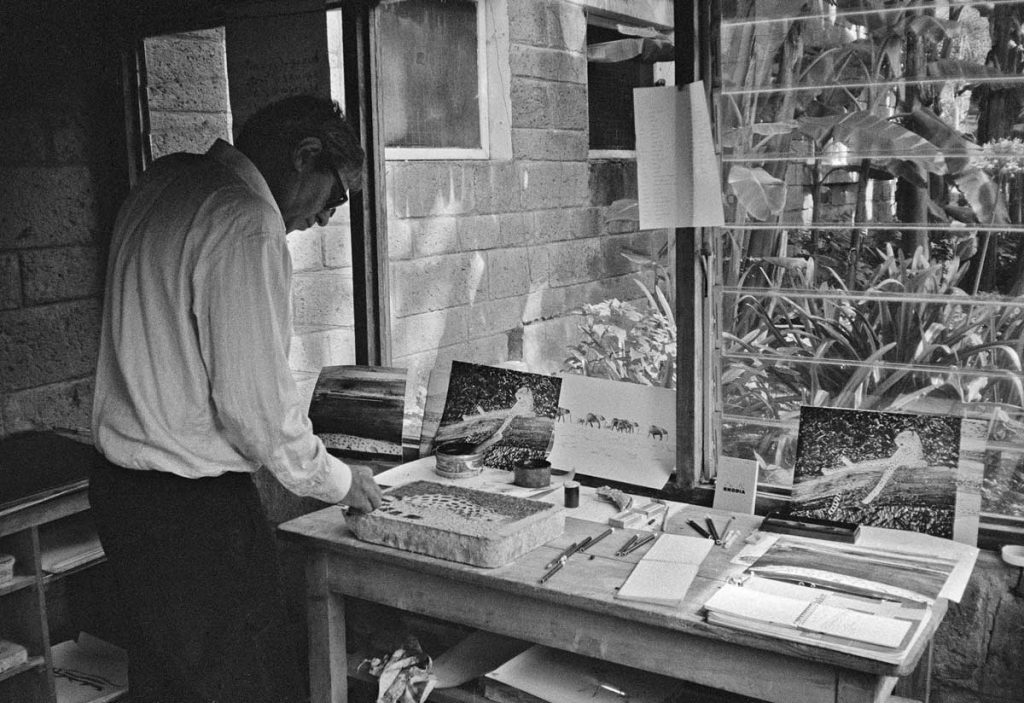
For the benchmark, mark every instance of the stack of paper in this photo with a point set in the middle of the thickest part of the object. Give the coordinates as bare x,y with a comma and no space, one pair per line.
89,670
665,572
798,612
563,677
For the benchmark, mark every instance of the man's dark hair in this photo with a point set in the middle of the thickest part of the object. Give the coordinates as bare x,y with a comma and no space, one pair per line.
277,128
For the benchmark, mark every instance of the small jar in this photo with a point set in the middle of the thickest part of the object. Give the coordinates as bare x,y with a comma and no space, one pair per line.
533,473
572,494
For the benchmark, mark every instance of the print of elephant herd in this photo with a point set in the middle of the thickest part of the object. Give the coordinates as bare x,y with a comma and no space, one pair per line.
617,424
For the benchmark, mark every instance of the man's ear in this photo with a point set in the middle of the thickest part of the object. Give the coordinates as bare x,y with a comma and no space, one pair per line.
306,154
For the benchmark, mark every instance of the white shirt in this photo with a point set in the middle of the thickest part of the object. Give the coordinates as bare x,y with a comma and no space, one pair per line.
193,373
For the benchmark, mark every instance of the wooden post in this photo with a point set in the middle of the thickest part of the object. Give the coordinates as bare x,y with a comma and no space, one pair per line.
689,376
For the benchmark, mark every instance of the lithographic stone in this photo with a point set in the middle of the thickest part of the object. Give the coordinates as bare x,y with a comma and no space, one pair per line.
459,524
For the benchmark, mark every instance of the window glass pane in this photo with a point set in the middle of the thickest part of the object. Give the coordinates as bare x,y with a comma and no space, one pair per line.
430,85
610,94
874,257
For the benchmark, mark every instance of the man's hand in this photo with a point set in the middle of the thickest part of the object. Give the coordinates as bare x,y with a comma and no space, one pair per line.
364,496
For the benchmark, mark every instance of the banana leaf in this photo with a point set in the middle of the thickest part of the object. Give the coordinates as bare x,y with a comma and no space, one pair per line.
760,194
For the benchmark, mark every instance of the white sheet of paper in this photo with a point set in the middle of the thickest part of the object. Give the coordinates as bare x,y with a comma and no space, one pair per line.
914,544
587,440
754,604
678,179
918,543
89,670
659,582
474,656
970,474
741,602
872,629
557,675
664,574
679,549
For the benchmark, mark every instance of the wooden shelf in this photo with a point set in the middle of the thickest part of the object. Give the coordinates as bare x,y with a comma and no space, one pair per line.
43,492
32,663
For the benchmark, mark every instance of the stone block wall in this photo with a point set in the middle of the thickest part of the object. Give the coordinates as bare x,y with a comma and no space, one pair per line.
980,645
187,91
489,258
62,174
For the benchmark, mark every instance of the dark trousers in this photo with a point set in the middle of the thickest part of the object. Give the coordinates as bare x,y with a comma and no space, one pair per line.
198,577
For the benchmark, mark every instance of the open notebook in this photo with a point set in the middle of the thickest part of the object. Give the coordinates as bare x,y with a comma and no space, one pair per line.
853,624
664,574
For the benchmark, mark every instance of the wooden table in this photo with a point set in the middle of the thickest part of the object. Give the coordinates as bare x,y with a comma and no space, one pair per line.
575,610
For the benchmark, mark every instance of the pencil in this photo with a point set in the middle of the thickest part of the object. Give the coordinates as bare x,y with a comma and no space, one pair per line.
698,529
725,530
629,543
712,529
564,555
646,540
597,539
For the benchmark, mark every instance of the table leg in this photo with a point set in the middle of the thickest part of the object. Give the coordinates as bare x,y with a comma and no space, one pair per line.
858,687
328,673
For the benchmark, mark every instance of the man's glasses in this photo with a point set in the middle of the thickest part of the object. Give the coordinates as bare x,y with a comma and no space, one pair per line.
338,196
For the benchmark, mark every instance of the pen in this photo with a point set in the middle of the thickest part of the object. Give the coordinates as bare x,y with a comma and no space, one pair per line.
552,570
646,540
712,529
698,529
597,539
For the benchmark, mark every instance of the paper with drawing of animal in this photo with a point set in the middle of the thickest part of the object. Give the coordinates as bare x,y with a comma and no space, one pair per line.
618,431
894,470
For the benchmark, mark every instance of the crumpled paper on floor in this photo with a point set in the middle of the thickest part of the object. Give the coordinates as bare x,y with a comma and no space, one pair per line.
404,676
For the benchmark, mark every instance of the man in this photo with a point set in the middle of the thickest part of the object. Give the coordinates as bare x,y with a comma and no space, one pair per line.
193,394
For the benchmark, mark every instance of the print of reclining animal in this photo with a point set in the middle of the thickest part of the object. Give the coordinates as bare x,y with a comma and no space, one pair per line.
616,423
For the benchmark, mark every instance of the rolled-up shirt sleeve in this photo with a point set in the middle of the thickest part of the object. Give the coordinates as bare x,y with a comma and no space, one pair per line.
245,330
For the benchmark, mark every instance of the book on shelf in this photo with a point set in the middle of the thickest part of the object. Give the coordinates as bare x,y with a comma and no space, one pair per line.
6,568
68,544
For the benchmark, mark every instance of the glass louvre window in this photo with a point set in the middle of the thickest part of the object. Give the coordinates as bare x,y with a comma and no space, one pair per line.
873,258
431,68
